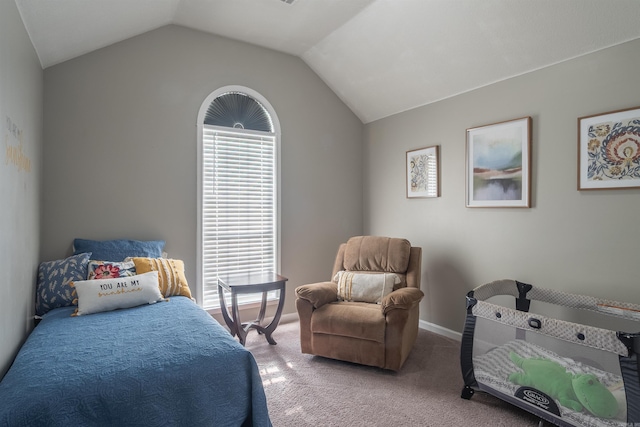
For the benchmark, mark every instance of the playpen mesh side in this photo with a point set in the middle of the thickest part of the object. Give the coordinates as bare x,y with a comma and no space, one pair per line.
589,336
603,306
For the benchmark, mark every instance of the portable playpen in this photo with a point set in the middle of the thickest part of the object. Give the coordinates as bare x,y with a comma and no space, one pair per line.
570,372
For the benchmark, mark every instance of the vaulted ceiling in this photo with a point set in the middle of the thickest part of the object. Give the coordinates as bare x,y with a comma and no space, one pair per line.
381,57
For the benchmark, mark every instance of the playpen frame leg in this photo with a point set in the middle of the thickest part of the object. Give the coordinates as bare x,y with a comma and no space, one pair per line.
467,392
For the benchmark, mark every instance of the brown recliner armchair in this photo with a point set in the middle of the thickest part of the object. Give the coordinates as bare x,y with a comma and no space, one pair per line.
376,334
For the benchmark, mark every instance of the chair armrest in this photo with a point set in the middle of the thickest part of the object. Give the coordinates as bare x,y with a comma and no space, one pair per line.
318,294
403,298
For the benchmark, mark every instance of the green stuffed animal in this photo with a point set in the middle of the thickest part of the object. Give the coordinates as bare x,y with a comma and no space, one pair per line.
572,391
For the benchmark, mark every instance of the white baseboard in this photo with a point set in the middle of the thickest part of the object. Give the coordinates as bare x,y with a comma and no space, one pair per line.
289,317
437,329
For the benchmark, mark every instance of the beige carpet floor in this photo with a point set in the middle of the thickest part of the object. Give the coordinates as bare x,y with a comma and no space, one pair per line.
305,390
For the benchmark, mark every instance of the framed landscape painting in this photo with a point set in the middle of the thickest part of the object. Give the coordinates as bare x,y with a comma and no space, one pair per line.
609,150
423,172
498,172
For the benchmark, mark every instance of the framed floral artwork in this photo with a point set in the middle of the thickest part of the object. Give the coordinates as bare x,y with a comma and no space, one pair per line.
498,165
423,172
609,150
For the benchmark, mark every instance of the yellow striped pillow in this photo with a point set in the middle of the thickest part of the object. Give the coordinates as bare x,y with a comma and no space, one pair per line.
171,278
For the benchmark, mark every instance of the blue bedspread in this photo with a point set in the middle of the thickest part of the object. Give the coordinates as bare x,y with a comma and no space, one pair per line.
166,364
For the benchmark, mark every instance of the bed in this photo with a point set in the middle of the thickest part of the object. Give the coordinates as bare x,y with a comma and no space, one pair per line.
168,363
569,373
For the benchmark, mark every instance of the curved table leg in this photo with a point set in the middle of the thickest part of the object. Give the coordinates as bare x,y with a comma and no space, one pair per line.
240,329
263,310
225,312
268,330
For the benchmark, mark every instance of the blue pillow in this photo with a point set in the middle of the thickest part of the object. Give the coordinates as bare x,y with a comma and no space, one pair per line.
52,289
118,250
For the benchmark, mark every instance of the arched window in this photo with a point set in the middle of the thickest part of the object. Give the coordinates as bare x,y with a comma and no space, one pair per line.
238,231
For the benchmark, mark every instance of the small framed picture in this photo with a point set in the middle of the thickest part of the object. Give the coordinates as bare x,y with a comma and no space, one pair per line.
609,150
498,161
423,172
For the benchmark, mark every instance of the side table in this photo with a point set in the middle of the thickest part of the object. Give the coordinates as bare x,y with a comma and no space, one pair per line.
247,284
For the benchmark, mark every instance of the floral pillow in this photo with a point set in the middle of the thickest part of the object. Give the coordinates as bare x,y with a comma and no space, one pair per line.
110,270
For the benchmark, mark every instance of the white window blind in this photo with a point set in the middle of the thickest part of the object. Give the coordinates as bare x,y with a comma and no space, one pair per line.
238,206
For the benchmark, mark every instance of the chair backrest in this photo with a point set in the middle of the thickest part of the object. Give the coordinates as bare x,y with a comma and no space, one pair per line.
381,254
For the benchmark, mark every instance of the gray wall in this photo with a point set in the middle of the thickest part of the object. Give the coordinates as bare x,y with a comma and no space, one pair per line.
20,154
120,126
121,162
579,242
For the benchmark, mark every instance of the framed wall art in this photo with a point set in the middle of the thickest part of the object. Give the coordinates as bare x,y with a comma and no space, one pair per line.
609,150
498,165
423,172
